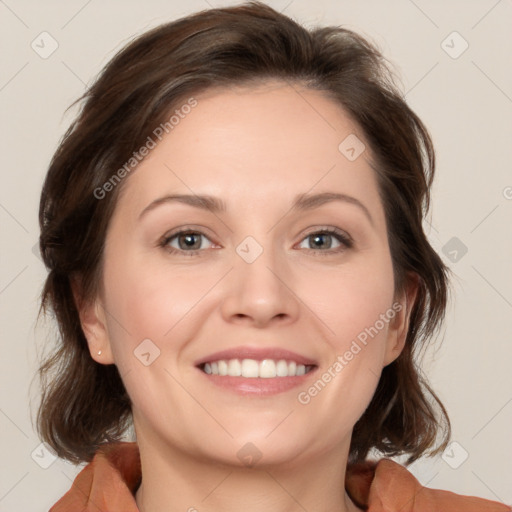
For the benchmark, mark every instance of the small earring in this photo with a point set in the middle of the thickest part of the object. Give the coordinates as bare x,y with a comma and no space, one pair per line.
99,352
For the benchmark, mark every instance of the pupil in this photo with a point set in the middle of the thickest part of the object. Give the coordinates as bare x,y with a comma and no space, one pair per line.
321,239
189,240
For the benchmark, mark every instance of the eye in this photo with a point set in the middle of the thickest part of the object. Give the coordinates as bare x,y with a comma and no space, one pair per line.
191,242
327,240
186,241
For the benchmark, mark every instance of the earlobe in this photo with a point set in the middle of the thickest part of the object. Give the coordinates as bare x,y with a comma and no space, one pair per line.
399,325
93,321
94,326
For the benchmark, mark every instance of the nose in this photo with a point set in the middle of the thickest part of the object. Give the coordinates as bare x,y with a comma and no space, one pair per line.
260,293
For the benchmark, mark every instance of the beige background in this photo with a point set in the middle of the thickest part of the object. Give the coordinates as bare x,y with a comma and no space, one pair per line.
467,104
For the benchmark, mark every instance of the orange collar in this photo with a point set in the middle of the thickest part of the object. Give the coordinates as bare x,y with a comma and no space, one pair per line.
109,481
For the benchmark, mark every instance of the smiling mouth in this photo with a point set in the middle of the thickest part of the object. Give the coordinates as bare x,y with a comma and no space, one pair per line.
254,369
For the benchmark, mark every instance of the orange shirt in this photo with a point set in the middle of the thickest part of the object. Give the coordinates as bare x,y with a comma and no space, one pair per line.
109,482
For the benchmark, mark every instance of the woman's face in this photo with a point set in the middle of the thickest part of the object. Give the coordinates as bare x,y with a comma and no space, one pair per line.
282,272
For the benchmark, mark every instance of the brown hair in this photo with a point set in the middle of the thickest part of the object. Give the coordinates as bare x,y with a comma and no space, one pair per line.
85,404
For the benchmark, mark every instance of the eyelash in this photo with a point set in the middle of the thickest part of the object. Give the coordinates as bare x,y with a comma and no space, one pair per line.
341,236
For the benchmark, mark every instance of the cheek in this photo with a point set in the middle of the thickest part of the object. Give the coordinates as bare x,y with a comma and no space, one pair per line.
355,306
146,311
346,383
350,300
149,300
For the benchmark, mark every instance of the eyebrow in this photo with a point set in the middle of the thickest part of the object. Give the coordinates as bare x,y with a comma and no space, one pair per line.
311,201
302,202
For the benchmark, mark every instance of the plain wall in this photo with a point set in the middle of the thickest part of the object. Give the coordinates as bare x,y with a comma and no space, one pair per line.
466,102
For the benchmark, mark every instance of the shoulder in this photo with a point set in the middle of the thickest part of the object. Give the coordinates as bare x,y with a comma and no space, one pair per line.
385,485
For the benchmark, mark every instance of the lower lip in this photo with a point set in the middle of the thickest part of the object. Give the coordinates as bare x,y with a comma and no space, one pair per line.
258,386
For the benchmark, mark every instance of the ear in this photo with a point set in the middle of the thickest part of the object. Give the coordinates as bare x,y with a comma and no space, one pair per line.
93,321
399,324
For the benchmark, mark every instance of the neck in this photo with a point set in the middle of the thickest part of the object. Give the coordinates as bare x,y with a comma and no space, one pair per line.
175,481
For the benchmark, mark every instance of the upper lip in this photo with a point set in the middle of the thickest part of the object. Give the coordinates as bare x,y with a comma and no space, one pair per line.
257,353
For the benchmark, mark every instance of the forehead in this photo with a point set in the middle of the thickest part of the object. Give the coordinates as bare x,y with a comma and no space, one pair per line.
249,144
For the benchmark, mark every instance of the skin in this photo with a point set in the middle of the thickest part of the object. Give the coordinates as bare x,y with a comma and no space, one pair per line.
256,149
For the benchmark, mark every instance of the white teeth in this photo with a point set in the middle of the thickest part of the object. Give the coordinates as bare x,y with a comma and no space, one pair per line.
223,368
251,368
282,368
234,368
267,369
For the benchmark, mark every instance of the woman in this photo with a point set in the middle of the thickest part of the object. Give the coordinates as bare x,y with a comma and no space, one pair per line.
233,231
